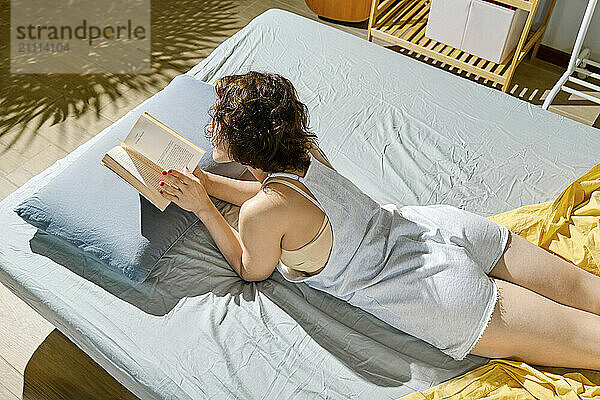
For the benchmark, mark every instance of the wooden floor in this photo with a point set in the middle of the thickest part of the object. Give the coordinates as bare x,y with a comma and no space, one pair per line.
42,120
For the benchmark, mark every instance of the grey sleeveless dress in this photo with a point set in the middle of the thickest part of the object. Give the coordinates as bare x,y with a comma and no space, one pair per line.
421,269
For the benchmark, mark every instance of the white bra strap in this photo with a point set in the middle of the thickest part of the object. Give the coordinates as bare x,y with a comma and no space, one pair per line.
286,174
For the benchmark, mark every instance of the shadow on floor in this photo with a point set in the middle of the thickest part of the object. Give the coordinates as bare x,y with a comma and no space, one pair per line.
182,34
60,370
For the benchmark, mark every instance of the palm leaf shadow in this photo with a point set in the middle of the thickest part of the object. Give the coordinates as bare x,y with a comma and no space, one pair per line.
182,34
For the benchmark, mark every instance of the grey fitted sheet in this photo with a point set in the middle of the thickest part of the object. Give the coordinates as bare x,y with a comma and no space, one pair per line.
401,130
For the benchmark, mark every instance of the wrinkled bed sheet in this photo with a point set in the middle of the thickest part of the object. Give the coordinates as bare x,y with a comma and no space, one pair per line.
403,131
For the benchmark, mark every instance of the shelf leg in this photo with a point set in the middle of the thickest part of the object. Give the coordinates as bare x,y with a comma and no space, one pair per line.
374,4
534,52
524,34
543,26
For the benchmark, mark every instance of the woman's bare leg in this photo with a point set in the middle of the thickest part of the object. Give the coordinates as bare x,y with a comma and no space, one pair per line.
536,269
529,327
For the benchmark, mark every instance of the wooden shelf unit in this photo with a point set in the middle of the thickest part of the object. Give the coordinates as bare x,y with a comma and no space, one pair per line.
403,22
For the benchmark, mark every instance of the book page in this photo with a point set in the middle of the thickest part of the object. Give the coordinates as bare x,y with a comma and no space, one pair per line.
137,167
175,156
160,144
160,202
133,175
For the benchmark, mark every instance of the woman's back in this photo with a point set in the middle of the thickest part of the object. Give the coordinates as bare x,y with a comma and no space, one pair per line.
311,256
301,255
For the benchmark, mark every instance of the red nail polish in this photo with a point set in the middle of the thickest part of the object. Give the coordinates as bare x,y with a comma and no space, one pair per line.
161,192
170,170
164,172
162,184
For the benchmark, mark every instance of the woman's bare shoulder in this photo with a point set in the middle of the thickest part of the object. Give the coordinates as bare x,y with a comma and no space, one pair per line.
270,206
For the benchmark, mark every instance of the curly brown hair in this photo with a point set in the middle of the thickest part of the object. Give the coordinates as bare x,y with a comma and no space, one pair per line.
260,121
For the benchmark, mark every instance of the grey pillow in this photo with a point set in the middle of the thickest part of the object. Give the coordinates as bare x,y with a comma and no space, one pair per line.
92,208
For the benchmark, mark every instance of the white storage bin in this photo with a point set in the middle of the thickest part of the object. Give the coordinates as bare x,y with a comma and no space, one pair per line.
478,27
447,20
492,31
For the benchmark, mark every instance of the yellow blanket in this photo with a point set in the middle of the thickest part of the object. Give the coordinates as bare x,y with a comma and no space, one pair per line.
501,379
570,228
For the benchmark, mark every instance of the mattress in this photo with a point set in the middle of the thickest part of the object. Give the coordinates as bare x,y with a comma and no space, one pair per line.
403,131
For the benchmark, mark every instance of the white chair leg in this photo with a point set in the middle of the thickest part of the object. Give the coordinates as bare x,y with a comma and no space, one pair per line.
576,56
559,85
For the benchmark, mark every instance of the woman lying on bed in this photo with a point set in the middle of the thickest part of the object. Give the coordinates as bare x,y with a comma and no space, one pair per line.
452,278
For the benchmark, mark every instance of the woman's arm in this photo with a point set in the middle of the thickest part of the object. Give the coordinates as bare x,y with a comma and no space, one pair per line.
254,251
234,191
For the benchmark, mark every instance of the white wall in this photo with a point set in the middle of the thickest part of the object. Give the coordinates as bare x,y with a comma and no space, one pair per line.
564,24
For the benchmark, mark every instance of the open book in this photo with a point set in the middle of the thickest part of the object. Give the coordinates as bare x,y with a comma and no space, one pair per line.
149,148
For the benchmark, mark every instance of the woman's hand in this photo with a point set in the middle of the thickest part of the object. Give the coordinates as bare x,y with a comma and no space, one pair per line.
186,190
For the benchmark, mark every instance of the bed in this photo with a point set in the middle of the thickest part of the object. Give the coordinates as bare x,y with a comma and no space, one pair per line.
401,130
